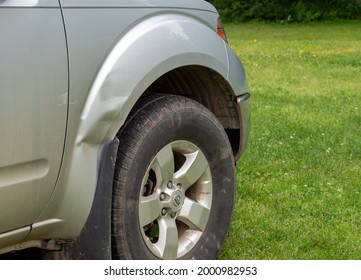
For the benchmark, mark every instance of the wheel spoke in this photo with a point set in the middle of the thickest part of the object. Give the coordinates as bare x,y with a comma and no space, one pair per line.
193,211
194,214
192,169
149,209
164,164
168,238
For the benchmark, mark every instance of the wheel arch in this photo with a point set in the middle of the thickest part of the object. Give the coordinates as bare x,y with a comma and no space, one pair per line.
136,63
191,61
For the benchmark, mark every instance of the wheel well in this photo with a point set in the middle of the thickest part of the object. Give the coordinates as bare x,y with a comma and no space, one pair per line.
208,88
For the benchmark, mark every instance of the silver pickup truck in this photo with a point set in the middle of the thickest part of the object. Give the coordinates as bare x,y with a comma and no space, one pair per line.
121,124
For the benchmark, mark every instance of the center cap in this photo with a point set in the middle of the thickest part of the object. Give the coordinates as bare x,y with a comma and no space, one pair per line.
176,200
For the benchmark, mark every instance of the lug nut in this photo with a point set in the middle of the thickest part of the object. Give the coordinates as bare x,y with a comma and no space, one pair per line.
173,215
162,196
170,184
164,211
179,186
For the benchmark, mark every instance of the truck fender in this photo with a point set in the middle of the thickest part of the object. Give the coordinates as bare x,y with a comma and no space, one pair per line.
146,52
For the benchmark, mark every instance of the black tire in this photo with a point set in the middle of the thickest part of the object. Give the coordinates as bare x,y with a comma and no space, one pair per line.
165,210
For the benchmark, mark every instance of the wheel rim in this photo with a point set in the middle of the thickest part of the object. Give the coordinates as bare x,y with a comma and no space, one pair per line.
175,200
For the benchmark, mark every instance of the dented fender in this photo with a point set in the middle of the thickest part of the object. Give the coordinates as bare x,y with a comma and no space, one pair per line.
137,61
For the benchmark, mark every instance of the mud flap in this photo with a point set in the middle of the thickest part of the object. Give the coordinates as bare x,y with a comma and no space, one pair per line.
94,241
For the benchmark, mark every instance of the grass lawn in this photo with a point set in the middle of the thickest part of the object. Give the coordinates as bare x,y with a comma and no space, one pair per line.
298,192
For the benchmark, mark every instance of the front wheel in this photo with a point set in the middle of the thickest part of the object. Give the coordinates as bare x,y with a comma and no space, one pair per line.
174,182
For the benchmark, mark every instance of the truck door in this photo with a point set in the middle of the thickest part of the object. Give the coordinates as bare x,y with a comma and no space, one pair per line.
33,107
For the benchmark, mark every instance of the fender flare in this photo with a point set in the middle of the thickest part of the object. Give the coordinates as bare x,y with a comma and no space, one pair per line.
137,60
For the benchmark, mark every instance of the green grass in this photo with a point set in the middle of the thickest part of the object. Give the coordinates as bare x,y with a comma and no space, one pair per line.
298,191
